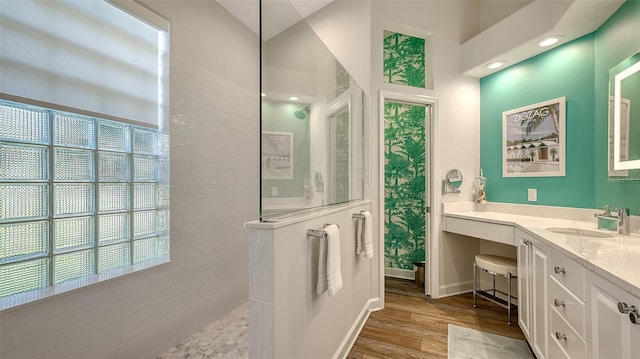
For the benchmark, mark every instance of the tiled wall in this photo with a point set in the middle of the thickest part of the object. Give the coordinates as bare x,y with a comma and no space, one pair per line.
214,190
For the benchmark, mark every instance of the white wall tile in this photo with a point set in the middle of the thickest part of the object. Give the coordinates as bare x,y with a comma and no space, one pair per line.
214,127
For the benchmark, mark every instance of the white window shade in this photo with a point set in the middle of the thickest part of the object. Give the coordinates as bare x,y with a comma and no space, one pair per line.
87,55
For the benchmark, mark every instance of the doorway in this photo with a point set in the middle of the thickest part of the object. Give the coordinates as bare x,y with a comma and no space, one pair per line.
405,167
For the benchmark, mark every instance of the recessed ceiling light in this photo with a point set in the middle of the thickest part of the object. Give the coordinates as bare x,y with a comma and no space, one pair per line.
495,65
549,41
263,94
293,98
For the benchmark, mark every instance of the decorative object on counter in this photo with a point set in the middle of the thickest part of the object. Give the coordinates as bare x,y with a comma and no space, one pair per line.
452,181
619,222
479,191
533,140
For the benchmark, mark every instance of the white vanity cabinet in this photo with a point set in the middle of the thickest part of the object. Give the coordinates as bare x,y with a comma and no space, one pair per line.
567,306
533,264
613,335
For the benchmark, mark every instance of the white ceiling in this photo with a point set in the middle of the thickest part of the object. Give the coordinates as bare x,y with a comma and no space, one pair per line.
282,14
511,39
515,38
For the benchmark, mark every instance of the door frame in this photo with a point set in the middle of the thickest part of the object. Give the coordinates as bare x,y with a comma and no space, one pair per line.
431,269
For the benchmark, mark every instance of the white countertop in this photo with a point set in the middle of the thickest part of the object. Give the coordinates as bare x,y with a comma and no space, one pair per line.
616,258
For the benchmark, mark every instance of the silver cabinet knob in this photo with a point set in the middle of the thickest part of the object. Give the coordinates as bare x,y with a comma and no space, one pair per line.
559,303
623,308
634,317
561,336
559,270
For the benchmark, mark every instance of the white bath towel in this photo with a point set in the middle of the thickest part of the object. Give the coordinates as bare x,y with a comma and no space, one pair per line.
329,263
367,235
359,229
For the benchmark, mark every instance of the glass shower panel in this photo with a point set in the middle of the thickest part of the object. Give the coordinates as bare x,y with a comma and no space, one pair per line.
312,119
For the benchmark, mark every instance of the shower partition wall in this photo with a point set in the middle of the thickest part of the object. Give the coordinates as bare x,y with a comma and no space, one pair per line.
312,119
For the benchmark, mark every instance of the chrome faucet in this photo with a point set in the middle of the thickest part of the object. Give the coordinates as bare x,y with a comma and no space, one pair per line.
614,222
624,223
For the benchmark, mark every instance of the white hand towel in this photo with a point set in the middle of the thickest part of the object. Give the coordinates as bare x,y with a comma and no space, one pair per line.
322,266
329,262
367,235
359,243
334,272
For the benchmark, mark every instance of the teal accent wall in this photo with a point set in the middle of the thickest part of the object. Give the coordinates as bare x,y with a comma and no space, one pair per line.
617,39
578,70
565,71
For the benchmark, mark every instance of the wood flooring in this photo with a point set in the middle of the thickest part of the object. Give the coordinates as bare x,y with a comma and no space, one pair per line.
413,325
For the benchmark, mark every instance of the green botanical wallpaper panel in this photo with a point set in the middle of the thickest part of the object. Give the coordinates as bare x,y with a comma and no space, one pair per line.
404,59
404,184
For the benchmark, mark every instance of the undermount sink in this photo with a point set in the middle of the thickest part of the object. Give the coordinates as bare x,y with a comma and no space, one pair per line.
579,232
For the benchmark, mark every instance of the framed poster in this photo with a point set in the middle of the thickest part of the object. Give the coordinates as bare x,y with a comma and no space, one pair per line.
533,140
277,155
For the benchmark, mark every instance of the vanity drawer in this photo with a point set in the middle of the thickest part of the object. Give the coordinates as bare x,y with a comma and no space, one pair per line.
570,307
490,231
568,273
565,337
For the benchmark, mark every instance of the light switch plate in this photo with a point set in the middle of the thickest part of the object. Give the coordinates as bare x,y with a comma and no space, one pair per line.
532,195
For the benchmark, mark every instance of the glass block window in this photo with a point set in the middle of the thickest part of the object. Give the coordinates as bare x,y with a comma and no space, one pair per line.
80,197
405,61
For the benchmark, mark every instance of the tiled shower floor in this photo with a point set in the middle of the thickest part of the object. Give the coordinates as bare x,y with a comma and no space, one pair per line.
227,338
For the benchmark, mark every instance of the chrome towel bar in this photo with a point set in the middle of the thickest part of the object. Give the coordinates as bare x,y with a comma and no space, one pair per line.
318,233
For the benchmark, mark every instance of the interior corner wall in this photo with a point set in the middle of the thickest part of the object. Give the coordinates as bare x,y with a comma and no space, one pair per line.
344,27
564,71
617,39
214,114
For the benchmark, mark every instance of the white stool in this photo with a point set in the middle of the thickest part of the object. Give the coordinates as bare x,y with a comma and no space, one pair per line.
496,265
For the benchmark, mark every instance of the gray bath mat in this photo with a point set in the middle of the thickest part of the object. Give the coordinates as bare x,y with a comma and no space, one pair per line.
467,343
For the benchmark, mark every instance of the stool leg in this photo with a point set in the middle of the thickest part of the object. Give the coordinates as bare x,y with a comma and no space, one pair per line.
509,307
494,284
475,269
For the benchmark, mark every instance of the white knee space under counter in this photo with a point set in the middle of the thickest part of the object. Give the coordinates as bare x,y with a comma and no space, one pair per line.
571,284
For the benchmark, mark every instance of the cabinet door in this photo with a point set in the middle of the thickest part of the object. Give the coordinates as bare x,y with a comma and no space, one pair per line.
612,333
539,299
524,284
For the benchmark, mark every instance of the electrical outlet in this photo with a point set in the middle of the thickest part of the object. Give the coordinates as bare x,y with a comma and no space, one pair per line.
532,194
274,191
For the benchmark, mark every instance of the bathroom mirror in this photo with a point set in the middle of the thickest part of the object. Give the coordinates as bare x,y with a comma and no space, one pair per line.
312,119
624,119
452,181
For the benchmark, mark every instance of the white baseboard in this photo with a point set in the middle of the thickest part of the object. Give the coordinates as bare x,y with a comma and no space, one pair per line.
399,273
356,328
455,289
375,304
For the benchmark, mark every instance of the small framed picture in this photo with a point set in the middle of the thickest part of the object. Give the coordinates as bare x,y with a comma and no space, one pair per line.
533,140
277,155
